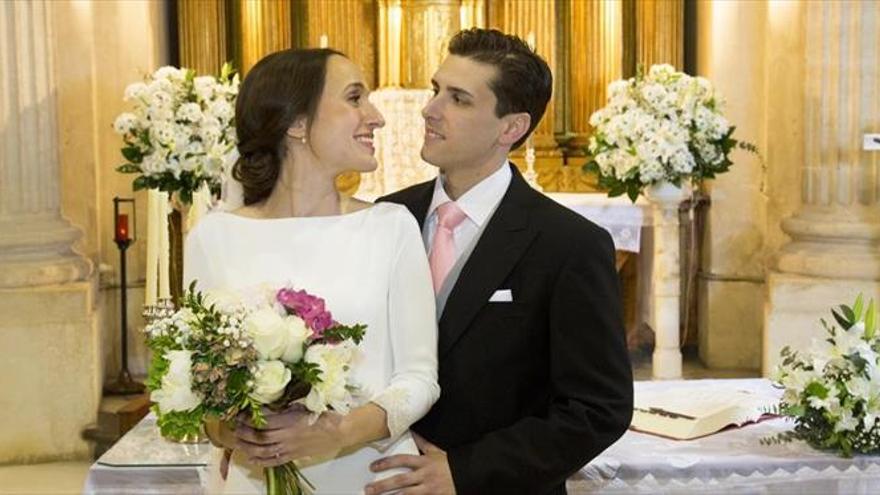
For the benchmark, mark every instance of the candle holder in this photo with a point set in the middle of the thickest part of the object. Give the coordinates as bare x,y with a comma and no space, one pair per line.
162,309
530,175
124,236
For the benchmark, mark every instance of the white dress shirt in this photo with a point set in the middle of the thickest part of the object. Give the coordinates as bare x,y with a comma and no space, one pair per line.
478,203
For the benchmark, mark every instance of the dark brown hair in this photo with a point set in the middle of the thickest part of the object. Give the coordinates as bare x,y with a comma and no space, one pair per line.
280,88
522,83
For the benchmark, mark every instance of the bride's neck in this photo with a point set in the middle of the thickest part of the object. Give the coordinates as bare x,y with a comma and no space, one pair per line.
304,190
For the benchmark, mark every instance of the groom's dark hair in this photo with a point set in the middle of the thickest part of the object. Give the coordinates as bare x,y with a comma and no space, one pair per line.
523,81
281,87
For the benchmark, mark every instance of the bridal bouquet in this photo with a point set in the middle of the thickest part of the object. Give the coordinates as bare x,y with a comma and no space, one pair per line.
660,126
224,353
833,391
180,133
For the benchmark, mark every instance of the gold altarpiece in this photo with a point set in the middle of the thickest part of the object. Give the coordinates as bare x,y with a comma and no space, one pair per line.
399,43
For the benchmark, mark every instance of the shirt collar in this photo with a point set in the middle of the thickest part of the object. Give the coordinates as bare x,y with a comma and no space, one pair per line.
480,200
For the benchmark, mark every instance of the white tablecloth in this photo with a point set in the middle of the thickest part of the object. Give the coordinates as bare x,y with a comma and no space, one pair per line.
619,216
733,461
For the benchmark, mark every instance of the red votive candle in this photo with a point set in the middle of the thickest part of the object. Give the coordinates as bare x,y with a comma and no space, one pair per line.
122,228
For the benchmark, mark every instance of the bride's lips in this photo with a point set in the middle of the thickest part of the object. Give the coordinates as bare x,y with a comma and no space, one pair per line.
365,140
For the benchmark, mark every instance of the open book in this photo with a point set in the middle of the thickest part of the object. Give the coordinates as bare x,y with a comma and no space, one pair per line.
693,413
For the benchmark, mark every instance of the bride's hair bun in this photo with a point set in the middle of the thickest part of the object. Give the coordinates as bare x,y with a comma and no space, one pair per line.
280,88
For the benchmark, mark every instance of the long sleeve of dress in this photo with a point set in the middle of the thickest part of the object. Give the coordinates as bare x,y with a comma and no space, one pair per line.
412,333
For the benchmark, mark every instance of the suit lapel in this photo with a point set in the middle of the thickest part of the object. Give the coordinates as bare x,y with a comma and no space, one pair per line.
420,201
504,240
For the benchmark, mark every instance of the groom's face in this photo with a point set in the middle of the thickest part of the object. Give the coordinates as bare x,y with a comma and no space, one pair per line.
461,128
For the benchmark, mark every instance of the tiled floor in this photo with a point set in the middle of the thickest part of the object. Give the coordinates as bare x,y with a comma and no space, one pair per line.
59,478
55,478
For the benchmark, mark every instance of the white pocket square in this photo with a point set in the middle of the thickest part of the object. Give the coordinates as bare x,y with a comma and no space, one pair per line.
502,295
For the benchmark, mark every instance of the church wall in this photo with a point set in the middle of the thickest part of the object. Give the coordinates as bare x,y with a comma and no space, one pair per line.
101,48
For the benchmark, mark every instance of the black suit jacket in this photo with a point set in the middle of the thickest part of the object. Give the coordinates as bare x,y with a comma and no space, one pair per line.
531,390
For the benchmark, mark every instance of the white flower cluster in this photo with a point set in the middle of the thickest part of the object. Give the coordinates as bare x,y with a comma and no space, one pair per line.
652,127
181,123
839,377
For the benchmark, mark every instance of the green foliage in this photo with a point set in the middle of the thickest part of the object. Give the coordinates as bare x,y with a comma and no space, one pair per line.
355,333
177,425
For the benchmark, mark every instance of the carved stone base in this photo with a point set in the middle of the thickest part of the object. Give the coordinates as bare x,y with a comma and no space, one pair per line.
50,373
37,250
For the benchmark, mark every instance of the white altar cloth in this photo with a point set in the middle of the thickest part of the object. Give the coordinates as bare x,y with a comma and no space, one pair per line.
733,461
619,216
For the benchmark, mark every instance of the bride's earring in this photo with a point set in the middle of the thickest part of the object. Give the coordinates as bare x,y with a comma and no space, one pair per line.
303,140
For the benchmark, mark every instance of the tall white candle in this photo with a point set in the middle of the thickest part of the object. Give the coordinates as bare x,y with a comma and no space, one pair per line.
152,247
530,40
164,247
324,42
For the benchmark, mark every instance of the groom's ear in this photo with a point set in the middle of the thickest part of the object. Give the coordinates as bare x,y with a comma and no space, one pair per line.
514,126
299,129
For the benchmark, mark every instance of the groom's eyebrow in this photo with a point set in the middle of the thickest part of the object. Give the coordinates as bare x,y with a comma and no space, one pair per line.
454,89
355,85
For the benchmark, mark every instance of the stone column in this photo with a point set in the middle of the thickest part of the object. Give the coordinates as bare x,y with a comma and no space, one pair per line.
49,344
834,251
731,281
35,240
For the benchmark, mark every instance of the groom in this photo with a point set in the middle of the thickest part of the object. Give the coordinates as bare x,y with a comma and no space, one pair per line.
534,374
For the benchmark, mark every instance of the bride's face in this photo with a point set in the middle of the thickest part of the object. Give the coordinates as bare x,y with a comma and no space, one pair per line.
341,135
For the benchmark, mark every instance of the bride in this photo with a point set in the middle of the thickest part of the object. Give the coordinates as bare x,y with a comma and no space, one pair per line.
302,118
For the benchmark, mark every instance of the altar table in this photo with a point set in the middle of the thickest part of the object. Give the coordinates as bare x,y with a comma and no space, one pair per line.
732,461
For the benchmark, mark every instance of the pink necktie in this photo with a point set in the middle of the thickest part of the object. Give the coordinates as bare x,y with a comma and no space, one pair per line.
449,215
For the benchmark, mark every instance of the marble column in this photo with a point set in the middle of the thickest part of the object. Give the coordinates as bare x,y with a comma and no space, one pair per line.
49,342
834,252
35,240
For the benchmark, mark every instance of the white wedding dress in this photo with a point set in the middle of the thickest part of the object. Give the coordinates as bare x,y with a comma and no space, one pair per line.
370,267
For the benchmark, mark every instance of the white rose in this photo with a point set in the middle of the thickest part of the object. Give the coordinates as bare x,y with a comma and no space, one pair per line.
334,362
297,333
270,379
176,392
268,331
125,123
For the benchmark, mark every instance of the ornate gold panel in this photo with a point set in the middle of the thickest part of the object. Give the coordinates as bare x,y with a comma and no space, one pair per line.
660,32
201,29
532,19
264,26
348,26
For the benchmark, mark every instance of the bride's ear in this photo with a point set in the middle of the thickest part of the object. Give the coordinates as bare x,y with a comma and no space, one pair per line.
298,130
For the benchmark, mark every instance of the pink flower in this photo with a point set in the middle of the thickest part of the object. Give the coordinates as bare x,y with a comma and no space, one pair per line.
308,307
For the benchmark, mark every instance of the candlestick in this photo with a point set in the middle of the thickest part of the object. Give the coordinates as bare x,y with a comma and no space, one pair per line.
123,384
164,247
151,277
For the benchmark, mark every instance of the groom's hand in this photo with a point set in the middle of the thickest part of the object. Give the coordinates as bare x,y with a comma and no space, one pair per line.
430,473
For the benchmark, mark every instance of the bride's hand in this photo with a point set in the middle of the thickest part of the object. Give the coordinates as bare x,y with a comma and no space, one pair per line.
287,436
